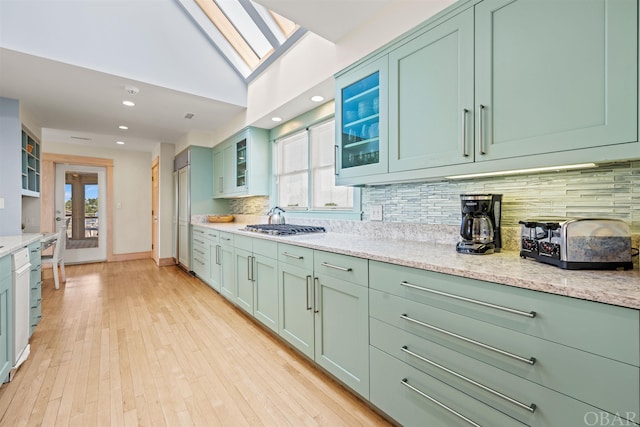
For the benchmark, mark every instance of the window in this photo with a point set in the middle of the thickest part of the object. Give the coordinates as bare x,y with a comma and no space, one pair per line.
305,171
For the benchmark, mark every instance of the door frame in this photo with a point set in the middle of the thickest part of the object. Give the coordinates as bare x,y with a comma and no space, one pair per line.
155,206
47,193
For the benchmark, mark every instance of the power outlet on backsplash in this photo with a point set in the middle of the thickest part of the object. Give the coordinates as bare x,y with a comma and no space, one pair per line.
375,212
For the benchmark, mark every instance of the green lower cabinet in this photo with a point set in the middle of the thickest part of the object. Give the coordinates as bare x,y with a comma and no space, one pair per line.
265,292
243,296
341,331
227,266
35,282
324,316
6,318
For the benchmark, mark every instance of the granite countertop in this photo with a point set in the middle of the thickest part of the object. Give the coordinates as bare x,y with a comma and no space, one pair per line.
620,288
10,244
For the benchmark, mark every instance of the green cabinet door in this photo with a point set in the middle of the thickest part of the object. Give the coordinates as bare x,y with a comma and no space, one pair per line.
227,267
361,121
342,331
6,318
296,307
554,75
218,172
244,283
35,282
265,292
431,98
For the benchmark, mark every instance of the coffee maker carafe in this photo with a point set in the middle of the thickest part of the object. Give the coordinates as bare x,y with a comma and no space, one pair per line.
480,226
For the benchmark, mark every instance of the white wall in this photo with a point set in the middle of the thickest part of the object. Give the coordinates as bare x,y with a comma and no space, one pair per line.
131,190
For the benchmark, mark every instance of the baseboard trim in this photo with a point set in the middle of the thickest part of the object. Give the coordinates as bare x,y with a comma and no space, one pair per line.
131,256
165,262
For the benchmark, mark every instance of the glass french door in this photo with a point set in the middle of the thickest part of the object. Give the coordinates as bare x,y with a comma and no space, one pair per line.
80,202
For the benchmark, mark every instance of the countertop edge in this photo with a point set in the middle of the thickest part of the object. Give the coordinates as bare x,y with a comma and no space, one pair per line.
620,288
12,243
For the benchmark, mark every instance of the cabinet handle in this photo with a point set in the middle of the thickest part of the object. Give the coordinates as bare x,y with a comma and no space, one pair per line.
335,160
292,255
405,383
464,132
315,306
307,301
529,361
253,266
199,241
217,254
195,230
530,314
200,252
249,268
481,129
337,267
228,239
531,408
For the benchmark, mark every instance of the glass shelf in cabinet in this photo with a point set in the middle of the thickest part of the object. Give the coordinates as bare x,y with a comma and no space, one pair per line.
358,96
352,145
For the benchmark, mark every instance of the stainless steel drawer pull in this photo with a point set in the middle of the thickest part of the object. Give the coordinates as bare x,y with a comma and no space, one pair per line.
529,361
405,383
464,132
196,250
337,267
199,241
531,408
481,129
228,239
308,283
287,254
531,314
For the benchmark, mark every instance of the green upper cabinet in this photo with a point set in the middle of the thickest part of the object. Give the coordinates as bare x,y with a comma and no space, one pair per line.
361,121
496,85
555,76
431,97
30,165
241,165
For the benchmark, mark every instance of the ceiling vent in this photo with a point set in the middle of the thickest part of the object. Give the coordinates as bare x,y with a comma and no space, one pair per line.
189,116
81,138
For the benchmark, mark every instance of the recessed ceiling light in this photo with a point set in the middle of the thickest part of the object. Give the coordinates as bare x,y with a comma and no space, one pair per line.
276,119
128,103
317,98
120,142
123,127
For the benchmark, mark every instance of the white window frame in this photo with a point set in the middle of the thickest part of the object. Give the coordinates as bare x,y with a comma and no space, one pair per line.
353,213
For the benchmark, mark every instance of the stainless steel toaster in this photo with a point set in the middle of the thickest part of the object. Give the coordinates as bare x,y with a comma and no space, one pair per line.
577,243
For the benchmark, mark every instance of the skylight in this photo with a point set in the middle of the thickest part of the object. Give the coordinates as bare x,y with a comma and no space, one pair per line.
246,33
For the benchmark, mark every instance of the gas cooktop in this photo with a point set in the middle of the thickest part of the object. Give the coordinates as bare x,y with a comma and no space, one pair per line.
284,229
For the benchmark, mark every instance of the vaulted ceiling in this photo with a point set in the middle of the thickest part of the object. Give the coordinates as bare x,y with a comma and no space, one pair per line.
72,63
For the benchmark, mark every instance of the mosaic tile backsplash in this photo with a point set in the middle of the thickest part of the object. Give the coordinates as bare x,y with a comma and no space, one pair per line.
430,211
611,191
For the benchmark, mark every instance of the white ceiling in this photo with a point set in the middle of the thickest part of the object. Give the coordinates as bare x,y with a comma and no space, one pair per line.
55,60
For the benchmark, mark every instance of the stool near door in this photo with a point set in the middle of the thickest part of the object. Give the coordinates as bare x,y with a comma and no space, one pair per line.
57,259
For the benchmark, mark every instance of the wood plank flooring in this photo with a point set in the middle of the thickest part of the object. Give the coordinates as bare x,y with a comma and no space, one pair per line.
131,344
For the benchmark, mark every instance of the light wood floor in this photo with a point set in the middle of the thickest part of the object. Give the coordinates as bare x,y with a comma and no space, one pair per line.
129,343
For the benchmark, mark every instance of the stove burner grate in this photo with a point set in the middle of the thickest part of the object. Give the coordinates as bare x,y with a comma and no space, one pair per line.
284,229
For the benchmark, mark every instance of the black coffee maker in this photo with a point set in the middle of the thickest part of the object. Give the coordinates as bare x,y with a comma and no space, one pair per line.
480,227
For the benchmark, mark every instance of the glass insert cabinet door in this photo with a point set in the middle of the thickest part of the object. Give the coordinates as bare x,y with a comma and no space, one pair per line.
361,122
362,112
241,163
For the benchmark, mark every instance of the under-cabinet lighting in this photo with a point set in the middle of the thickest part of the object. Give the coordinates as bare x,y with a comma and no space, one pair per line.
128,103
521,171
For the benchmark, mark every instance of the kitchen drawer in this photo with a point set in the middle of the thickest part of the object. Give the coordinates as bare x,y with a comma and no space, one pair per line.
264,247
598,328
545,407
226,239
296,255
243,242
343,267
201,266
212,235
390,382
596,380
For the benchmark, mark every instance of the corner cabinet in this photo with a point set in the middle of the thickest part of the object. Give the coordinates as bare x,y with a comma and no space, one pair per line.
30,165
361,116
498,85
241,165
